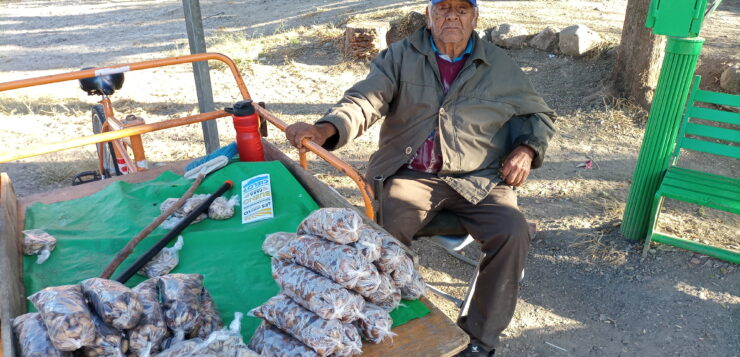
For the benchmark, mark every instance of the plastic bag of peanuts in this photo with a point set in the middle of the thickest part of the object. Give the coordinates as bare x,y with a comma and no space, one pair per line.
375,325
151,329
276,241
269,341
116,304
180,298
317,293
66,316
341,263
38,242
33,340
339,225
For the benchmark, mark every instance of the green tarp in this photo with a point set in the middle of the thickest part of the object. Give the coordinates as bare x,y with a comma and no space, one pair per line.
228,254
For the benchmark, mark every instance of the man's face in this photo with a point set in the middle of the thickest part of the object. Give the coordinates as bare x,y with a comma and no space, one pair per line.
452,21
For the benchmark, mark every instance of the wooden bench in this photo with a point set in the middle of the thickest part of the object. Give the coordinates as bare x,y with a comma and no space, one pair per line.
713,131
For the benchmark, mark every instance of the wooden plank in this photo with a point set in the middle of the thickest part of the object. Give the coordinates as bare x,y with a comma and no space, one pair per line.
431,335
11,285
197,41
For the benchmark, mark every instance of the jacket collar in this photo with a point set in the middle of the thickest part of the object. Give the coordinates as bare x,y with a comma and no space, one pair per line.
420,41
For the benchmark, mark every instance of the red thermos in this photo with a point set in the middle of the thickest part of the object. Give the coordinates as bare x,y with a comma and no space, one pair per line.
246,123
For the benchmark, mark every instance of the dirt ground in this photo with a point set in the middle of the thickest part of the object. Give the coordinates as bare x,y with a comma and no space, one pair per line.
586,291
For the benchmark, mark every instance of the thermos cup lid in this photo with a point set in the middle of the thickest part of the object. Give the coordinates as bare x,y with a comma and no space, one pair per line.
241,108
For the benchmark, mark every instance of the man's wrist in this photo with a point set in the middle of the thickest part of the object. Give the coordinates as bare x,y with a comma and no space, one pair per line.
528,150
326,129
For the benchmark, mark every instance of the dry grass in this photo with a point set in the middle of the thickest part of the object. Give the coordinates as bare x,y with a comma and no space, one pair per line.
44,106
596,249
59,169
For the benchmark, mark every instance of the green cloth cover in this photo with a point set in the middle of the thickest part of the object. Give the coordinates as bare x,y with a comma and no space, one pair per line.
90,230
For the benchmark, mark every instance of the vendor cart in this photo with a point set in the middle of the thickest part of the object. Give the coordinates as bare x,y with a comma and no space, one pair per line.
431,335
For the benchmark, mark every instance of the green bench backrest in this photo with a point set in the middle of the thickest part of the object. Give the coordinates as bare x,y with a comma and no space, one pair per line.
702,135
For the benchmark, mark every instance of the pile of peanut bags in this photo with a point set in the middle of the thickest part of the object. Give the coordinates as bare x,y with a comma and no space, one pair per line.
339,280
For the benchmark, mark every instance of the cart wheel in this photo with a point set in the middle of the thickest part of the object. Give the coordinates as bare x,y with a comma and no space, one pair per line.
109,156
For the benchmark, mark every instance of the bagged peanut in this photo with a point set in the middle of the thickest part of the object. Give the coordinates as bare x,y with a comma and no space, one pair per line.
226,342
392,254
269,341
317,293
115,303
163,263
180,297
339,225
191,204
67,318
341,263
351,342
208,318
387,295
322,336
38,242
369,243
414,288
375,325
109,341
221,208
151,329
403,273
33,341
276,241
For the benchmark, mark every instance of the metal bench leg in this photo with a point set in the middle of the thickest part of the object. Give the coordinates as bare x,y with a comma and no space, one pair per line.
446,296
462,258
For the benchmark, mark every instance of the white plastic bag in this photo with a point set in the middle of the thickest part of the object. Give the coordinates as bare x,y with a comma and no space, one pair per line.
66,316
163,263
38,242
33,340
276,241
221,208
338,225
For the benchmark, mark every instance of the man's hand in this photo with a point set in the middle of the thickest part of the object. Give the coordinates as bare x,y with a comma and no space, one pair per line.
517,165
295,133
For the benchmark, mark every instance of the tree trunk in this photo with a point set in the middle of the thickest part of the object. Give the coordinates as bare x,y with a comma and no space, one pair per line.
639,57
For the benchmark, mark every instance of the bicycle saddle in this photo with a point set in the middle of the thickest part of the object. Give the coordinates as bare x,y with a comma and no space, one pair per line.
102,85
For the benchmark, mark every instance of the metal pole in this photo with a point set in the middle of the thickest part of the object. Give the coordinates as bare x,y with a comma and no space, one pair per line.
669,102
196,39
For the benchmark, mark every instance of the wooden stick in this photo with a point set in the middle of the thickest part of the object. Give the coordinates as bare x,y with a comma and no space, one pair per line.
129,248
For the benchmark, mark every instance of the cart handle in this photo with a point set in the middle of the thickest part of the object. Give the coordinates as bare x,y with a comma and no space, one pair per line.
343,167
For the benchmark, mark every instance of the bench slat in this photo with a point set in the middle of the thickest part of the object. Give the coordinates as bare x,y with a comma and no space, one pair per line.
717,98
712,132
705,189
681,194
710,147
722,116
693,175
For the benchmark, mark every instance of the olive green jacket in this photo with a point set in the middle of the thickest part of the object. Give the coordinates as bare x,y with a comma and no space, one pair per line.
489,109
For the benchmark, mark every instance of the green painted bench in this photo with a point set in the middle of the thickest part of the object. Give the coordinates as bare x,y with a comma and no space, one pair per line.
699,132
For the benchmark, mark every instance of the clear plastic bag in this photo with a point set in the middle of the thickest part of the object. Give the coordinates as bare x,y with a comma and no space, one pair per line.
317,293
33,340
151,329
109,341
208,318
67,318
351,342
369,243
338,225
181,349
163,263
402,274
180,297
415,288
269,341
392,254
221,208
387,295
190,204
341,263
276,241
375,325
116,304
38,242
323,336
225,342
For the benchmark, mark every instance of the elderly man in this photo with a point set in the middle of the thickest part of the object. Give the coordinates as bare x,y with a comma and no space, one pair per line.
461,128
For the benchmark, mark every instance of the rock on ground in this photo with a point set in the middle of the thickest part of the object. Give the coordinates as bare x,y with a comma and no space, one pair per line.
404,27
730,79
546,40
577,39
508,35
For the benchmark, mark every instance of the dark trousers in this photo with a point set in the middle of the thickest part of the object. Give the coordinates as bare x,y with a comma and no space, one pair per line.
413,198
